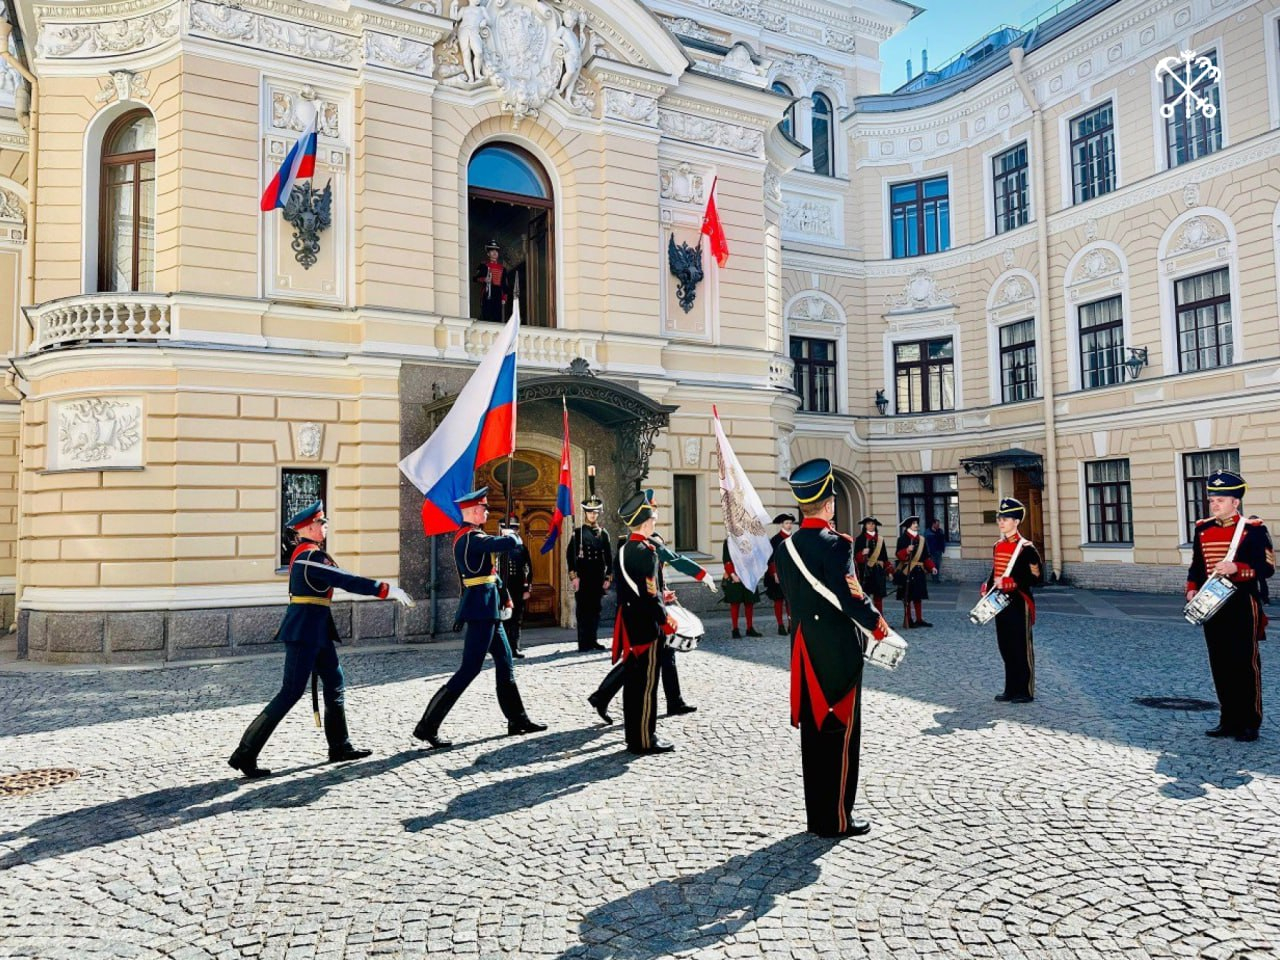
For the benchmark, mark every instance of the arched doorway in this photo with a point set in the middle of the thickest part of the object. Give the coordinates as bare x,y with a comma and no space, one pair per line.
849,505
510,203
534,476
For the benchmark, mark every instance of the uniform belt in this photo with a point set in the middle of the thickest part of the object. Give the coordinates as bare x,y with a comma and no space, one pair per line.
320,601
478,581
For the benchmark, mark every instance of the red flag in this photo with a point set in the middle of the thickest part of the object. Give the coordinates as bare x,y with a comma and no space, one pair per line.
713,228
564,493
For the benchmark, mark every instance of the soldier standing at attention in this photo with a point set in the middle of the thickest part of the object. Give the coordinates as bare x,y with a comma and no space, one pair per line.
873,562
1232,633
480,609
772,589
309,634
516,571
737,595
913,561
827,605
1015,568
590,561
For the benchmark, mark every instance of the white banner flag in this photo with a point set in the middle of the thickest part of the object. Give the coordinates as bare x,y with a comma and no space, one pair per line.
745,520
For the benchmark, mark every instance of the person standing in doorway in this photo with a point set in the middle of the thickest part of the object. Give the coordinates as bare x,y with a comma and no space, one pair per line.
590,560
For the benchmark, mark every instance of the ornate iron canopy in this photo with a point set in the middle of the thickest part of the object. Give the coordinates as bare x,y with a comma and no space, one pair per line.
984,467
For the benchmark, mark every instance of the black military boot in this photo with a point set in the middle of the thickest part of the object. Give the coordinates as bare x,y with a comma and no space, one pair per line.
428,727
513,709
607,690
335,731
671,688
245,758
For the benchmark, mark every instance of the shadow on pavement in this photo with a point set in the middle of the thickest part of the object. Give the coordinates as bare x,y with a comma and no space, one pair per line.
531,749
1193,771
700,910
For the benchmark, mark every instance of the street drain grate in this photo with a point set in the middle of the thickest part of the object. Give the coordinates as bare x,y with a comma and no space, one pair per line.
1176,703
29,781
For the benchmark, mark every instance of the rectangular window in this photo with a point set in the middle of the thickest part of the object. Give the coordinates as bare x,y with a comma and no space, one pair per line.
1009,182
1196,468
685,510
920,213
1093,153
1204,320
931,496
924,374
1109,500
298,489
814,375
1018,361
1189,133
1101,343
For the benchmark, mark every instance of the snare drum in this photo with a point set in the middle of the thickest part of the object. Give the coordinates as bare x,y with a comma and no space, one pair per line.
986,609
689,629
1216,591
887,653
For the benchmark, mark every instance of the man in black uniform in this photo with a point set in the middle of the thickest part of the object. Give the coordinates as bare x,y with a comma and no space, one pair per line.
815,567
516,571
1232,633
1015,569
642,625
913,562
873,561
772,588
309,634
590,561
481,608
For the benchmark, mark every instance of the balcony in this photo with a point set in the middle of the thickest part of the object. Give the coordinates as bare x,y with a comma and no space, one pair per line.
100,317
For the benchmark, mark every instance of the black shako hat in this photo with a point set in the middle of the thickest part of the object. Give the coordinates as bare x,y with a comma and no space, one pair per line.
1225,483
1011,509
812,481
637,508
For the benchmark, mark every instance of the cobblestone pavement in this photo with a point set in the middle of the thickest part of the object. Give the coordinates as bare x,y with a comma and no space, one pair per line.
1083,825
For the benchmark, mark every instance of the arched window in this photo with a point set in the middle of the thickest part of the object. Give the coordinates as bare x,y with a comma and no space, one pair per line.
788,124
824,161
511,219
127,211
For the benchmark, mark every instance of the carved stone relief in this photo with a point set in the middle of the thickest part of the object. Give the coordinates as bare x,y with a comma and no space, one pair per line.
715,133
682,183
690,29
1196,233
809,219
289,113
785,464
109,37
692,451
122,85
629,105
921,292
308,440
98,432
1191,195
400,53
225,22
11,206
811,71
1096,263
1013,290
813,310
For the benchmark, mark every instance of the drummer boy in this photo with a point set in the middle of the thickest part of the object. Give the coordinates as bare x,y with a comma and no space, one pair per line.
1015,568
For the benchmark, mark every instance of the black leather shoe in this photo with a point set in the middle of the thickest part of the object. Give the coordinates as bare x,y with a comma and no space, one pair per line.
600,707
348,753
1022,699
437,741
857,827
658,746
592,648
922,623
782,631
524,725
753,632
1219,731
1002,698
518,654
249,768
737,634
680,708
1248,736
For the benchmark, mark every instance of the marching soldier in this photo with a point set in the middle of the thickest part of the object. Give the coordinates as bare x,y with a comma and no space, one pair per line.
516,571
309,634
590,568
642,625
873,562
1231,634
614,679
481,609
827,605
1015,568
913,561
737,596
772,588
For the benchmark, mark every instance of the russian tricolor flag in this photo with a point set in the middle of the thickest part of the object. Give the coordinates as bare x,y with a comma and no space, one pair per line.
299,164
480,427
564,493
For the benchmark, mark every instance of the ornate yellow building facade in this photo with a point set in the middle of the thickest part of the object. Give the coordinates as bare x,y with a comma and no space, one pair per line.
992,253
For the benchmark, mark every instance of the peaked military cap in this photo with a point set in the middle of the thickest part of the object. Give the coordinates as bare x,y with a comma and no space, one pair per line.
1011,509
865,520
1225,483
637,508
783,518
812,481
306,515
478,496
908,522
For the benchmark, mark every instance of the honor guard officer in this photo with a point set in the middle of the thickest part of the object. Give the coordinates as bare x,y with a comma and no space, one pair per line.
642,625
913,560
309,634
827,606
773,589
873,563
1231,634
1015,568
516,571
481,609
590,561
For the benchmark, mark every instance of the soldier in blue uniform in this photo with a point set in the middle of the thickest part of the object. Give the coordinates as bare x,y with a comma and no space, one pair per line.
827,606
481,609
309,634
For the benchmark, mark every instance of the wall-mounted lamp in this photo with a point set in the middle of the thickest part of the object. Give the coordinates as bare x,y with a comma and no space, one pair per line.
882,402
1137,360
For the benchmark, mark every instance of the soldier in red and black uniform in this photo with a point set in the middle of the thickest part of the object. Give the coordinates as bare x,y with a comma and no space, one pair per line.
495,278
873,561
913,561
1232,633
827,606
1015,569
772,588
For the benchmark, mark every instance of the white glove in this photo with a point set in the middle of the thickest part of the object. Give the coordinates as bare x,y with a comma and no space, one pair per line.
709,583
400,597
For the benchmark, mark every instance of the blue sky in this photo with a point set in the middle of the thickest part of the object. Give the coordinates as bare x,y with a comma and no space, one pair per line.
948,26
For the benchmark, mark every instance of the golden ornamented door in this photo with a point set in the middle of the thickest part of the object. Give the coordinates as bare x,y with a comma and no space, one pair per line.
534,477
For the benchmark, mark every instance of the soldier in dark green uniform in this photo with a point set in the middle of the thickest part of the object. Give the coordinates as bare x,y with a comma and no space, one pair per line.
827,605
480,608
590,563
309,634
736,595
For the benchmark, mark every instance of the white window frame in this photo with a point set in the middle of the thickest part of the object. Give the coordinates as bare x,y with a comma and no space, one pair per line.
1189,265
989,187
1001,315
1083,292
1160,140
836,331
932,331
1067,190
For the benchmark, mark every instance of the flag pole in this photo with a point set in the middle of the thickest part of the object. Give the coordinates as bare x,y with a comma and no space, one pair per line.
511,454
573,510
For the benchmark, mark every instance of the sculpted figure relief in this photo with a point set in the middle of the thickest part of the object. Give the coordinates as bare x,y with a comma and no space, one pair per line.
571,50
473,21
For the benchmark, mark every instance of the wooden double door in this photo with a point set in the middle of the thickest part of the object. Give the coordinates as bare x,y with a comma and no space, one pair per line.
534,478
1033,524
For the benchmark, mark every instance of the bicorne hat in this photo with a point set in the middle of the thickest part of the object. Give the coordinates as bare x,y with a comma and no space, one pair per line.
908,522
865,520
783,518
